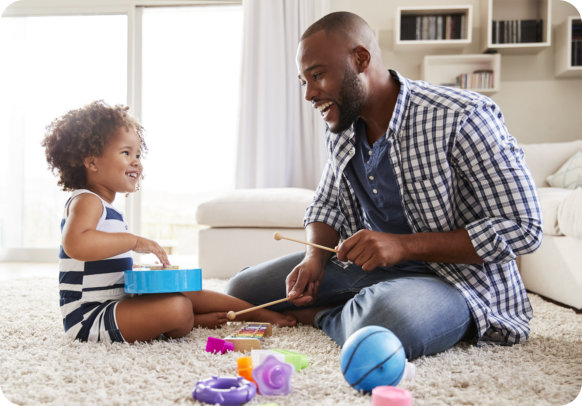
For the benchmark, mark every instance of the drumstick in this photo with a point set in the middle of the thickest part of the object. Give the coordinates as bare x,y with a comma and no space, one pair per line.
278,236
231,315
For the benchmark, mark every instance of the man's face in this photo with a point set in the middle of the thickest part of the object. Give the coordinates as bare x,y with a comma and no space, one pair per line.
331,83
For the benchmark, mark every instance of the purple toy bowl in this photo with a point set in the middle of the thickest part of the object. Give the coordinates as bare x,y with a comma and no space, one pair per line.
228,391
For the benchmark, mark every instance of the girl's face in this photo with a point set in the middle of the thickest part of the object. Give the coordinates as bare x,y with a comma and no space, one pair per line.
119,168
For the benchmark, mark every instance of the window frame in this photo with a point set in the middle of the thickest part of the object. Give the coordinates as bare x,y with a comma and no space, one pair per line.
133,10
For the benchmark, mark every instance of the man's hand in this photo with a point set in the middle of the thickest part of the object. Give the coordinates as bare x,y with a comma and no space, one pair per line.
371,249
303,282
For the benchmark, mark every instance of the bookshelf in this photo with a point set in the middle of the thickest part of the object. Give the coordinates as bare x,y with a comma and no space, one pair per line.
444,69
516,26
568,48
443,27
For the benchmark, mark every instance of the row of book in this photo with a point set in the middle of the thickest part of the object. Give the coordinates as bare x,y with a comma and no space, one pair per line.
479,79
577,52
433,27
577,43
517,31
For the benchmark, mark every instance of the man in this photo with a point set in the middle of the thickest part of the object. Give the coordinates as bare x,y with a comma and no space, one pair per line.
428,194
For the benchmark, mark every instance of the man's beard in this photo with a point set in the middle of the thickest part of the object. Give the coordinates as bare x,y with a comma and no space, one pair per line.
351,100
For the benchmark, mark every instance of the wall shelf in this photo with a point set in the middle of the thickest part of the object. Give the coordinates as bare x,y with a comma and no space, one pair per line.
444,69
564,50
419,28
509,11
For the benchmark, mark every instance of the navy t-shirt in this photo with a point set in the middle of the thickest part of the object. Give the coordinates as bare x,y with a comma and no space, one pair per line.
371,174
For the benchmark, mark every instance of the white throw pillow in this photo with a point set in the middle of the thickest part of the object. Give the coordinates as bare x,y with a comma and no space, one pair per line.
569,176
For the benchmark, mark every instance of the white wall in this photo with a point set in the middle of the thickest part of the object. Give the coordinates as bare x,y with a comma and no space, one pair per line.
538,106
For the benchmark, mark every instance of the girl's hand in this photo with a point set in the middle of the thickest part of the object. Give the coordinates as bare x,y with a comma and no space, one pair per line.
145,246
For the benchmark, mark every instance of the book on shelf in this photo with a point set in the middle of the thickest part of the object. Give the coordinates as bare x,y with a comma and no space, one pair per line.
576,43
478,79
517,31
415,27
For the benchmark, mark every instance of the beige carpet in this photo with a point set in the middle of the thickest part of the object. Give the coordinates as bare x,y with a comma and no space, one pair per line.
38,365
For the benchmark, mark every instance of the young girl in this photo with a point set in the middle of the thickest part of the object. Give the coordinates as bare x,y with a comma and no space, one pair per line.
96,152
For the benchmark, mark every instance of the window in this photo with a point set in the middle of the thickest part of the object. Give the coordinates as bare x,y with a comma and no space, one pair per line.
50,65
191,75
186,95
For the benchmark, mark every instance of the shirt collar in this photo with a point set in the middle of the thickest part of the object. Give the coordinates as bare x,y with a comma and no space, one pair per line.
401,103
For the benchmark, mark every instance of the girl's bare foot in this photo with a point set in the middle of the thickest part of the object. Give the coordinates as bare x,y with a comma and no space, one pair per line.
210,320
269,316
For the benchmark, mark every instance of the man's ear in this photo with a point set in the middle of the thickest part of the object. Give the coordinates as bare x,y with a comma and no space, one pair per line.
362,58
90,163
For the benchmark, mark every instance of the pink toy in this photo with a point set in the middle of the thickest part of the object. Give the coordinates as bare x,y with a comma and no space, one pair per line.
391,396
217,345
273,376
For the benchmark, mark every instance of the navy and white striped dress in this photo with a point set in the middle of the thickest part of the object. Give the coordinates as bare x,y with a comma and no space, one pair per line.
90,290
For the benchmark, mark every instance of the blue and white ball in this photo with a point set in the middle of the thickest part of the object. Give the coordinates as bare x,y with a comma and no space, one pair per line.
372,356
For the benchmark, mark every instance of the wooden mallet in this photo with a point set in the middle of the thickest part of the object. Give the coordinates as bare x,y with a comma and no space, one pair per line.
277,236
231,315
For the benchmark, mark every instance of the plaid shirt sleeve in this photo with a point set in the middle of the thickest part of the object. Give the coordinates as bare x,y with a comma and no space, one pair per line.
325,207
492,163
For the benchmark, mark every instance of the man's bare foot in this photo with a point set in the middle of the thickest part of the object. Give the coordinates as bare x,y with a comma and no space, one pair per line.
210,320
305,315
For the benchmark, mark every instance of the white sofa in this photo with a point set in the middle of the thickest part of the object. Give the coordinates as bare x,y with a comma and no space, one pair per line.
237,228
555,269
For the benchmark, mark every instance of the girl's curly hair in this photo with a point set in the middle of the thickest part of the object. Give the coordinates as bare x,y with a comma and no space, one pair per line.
82,133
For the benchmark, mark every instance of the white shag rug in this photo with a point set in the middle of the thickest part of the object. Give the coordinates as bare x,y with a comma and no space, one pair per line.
39,365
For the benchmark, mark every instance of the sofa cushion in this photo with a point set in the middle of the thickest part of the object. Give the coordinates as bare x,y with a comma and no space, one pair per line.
272,207
545,159
569,175
570,215
550,202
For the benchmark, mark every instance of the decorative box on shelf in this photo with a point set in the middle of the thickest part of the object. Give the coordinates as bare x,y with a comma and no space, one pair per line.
568,48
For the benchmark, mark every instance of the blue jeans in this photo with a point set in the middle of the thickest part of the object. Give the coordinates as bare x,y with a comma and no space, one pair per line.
426,313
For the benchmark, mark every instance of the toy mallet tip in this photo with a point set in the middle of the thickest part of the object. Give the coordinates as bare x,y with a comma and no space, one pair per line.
277,236
231,315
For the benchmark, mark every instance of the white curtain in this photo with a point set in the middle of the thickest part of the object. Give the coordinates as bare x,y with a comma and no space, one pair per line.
281,137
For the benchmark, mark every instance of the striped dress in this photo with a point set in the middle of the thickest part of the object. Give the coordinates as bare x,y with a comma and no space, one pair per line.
90,290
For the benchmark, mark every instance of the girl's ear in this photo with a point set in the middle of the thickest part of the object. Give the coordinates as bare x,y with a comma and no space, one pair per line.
90,163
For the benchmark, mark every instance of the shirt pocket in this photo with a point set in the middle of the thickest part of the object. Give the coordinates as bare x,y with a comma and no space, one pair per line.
432,203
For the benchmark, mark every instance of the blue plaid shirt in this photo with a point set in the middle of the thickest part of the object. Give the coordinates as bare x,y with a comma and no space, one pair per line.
457,167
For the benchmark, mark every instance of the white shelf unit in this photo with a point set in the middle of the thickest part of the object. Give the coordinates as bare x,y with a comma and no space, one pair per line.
563,50
443,69
505,10
438,11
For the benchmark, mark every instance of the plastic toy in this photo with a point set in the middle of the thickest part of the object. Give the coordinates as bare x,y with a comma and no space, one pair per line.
218,345
372,356
391,396
273,376
244,367
249,337
147,280
224,390
299,361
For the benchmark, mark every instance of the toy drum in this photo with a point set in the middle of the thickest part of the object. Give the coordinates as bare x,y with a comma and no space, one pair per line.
162,280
